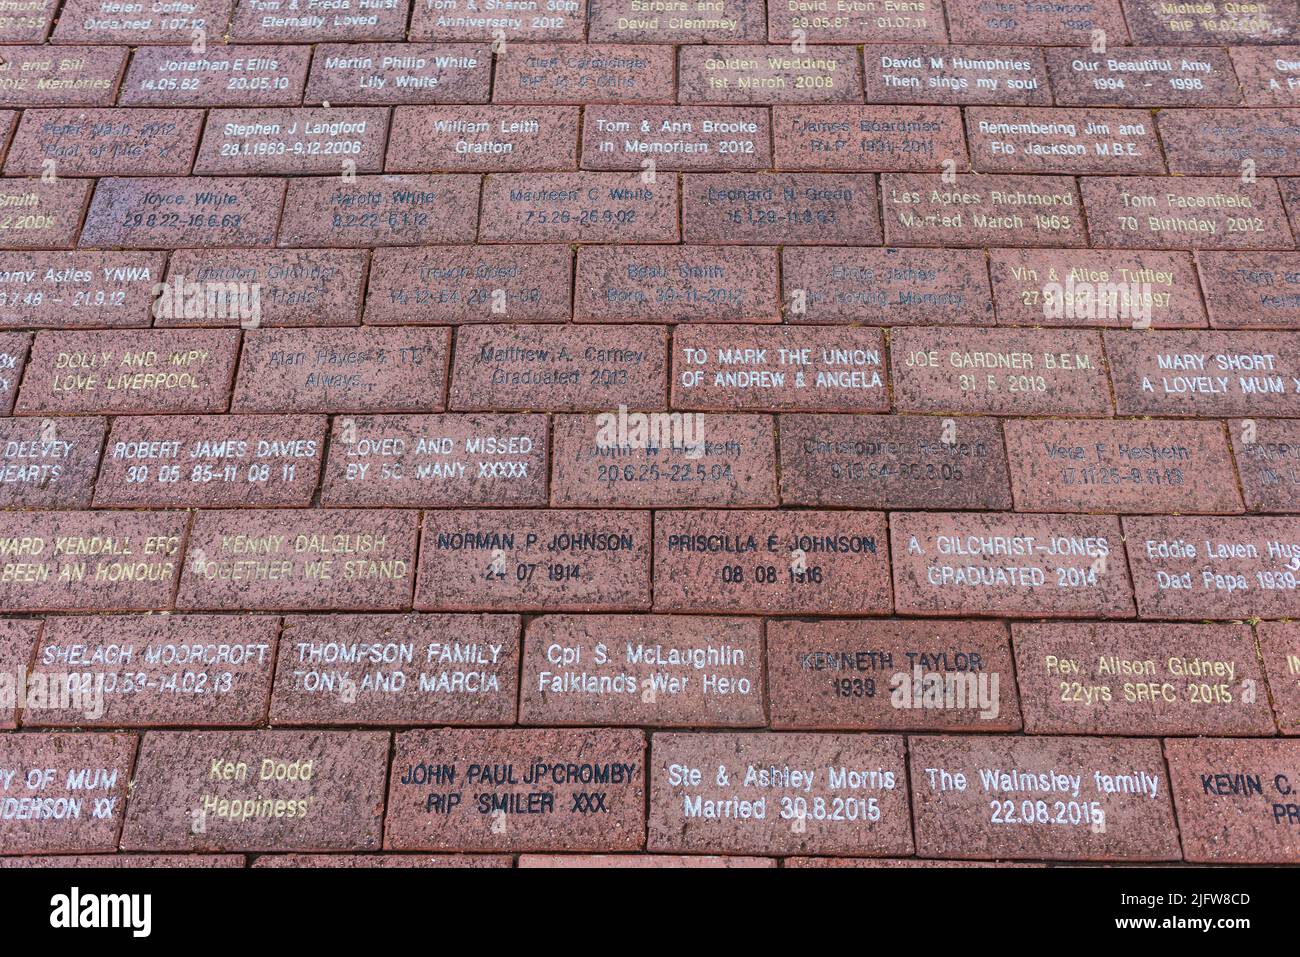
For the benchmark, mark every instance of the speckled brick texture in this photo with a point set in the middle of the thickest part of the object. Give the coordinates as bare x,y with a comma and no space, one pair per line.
754,433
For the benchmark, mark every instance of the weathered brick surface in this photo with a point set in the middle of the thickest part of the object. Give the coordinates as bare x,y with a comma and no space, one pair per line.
649,433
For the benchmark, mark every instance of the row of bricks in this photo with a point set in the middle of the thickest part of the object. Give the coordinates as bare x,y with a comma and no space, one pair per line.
994,564
649,284
664,671
725,460
605,368
558,74
507,139
1218,800
809,209
724,21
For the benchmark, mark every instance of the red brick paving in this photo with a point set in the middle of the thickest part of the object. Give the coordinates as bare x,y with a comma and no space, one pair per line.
737,434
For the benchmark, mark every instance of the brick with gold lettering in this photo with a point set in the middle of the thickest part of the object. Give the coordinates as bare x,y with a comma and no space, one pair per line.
1148,679
769,74
584,73
130,371
1213,23
999,371
90,561
296,560
1279,648
258,791
780,208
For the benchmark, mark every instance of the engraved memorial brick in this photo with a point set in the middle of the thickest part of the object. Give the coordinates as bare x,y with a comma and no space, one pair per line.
258,791
130,371
66,76
769,74
380,211
267,141
67,290
1120,466
661,670
1235,799
771,562
63,792
896,461
469,284
534,560
248,76
782,793
868,137
173,213
676,284
999,371
1084,799
892,286
559,368
1194,568
999,563
211,461
82,142
160,670
779,368
397,669
1142,77
924,210
676,138
584,73
342,370
891,675
267,287
436,461
1268,461
1010,140
578,207
1087,288
483,139
48,463
299,560
956,75
373,74
780,208
1092,678
635,460
517,790
90,561
1204,373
